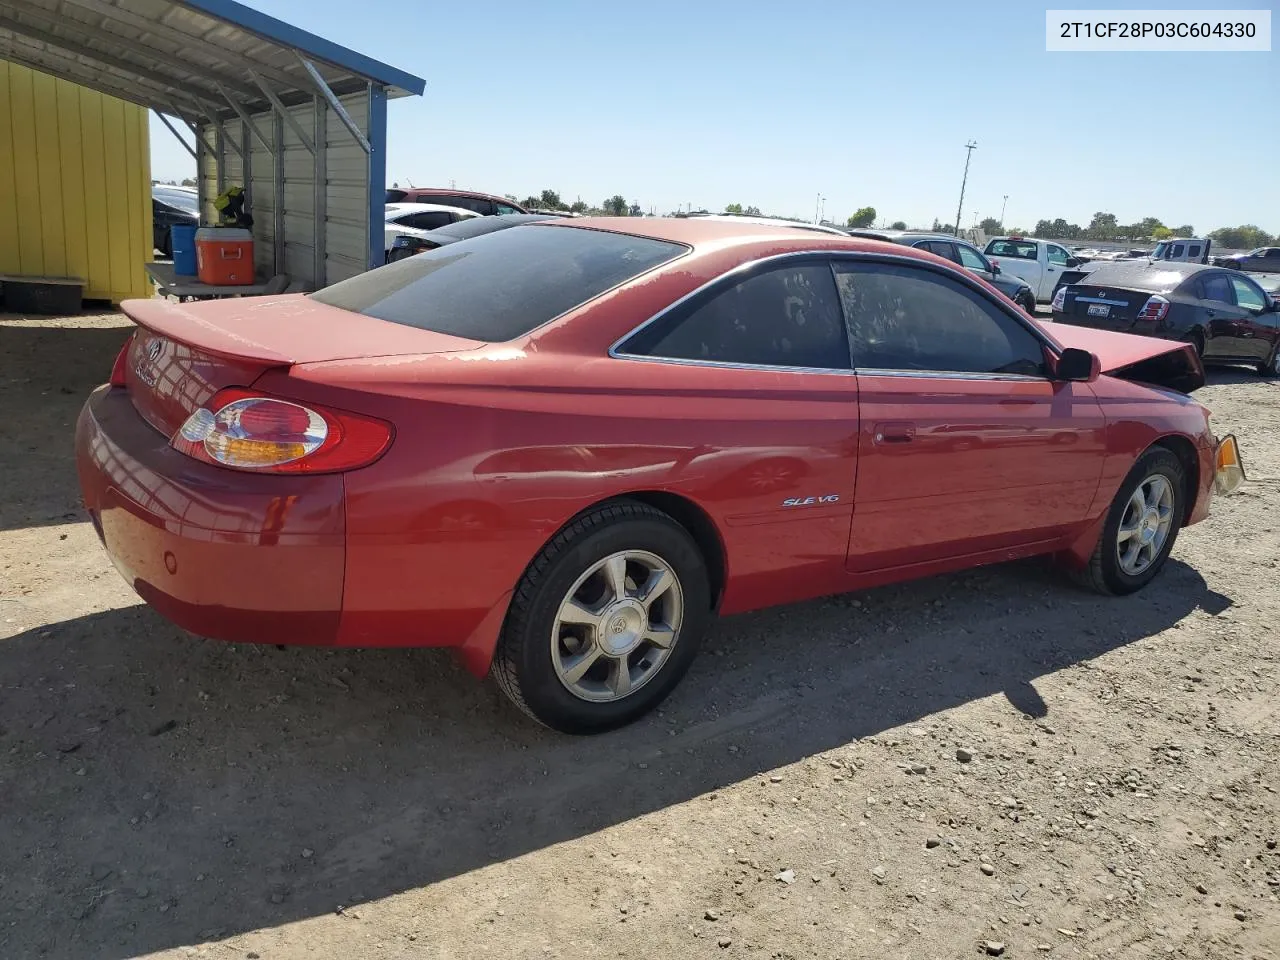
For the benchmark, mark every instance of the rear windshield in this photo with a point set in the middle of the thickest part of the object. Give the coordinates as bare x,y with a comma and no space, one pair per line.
502,285
395,196
1021,249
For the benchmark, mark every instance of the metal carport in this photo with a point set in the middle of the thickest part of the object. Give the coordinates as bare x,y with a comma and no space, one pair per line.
298,121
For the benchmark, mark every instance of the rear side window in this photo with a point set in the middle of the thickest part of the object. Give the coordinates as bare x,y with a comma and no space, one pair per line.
1021,249
788,316
429,220
479,205
501,285
905,318
940,247
1193,251
1217,288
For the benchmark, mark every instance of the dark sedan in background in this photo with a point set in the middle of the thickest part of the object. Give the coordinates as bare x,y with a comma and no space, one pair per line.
1262,260
171,207
1227,316
965,254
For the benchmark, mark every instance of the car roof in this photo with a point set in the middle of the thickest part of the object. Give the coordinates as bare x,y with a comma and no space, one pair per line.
900,236
477,194
705,233
1148,276
773,222
398,209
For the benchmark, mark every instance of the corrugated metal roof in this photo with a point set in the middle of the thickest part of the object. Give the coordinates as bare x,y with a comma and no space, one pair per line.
185,58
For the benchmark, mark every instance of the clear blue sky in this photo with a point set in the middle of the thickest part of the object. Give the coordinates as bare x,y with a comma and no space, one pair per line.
772,103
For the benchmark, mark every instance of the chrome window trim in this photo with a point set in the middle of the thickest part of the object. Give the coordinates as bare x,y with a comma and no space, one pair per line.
956,273
730,365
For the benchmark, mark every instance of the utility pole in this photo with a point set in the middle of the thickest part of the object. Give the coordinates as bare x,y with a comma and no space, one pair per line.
1002,206
970,146
817,208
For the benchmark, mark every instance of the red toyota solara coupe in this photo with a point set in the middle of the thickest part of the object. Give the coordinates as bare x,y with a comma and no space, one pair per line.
562,448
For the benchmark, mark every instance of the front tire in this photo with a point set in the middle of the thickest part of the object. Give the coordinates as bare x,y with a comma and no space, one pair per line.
605,621
1271,367
1141,526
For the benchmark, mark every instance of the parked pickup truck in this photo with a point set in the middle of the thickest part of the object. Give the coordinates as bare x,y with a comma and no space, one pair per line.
1039,262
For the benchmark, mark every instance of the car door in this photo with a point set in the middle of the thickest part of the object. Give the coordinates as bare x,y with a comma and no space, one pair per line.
1221,319
1256,325
1056,260
965,444
752,377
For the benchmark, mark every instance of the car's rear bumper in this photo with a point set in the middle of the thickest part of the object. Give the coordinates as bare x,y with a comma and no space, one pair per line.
221,553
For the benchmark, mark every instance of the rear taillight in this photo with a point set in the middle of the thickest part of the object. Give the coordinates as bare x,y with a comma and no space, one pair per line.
247,430
118,368
1154,310
1059,299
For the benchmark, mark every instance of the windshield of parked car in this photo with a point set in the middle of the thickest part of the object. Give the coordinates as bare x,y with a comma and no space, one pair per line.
1022,249
182,199
501,285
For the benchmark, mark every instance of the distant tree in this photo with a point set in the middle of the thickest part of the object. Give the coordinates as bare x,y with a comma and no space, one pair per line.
753,211
577,207
898,225
1244,237
1186,230
550,200
946,227
1017,231
863,217
1044,228
1103,226
188,182
990,225
1146,227
616,206
530,202
734,208
635,210
510,196
936,225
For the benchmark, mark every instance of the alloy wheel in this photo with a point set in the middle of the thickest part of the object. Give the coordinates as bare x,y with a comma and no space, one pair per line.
1145,526
617,626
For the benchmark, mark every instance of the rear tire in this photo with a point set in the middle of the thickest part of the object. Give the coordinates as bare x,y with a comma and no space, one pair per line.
605,621
1029,305
1156,473
1197,341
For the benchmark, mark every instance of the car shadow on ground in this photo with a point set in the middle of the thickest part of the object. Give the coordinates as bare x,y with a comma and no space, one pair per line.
160,790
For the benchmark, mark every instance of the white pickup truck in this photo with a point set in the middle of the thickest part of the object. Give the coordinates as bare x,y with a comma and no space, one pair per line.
1039,262
1046,265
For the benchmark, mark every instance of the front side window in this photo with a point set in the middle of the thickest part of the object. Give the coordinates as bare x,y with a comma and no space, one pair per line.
1193,251
905,318
972,259
1247,295
500,285
787,316
427,220
1058,256
1177,251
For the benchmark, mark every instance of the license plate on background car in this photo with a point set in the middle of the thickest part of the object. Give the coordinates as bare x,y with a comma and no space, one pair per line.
1099,310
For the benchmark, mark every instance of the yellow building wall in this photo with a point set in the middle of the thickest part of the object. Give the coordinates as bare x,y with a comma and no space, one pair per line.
75,185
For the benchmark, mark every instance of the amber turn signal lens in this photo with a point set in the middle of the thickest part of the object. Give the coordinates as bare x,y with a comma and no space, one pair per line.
1229,475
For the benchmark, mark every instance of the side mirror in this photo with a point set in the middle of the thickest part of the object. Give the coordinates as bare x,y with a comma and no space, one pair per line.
1078,365
995,269
1073,261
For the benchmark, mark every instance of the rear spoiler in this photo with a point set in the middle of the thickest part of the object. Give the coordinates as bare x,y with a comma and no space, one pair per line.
176,322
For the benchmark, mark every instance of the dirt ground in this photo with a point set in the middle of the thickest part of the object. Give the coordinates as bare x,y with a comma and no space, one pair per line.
805,793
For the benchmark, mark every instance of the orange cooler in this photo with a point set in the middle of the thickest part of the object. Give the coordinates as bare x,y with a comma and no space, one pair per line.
224,256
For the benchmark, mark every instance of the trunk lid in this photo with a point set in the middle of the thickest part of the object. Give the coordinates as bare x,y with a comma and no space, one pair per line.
1161,363
182,354
1103,308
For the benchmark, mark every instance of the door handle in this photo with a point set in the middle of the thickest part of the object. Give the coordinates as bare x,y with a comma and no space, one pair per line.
895,432
1211,313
